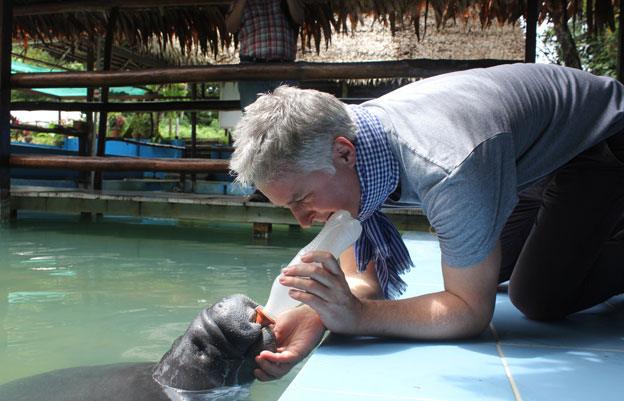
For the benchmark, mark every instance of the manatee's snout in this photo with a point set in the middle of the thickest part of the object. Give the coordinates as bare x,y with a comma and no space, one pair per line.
218,348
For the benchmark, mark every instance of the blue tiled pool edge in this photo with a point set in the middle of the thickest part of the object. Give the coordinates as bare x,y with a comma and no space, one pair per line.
581,358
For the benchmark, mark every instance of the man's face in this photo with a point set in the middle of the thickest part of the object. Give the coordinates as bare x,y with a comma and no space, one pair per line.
315,196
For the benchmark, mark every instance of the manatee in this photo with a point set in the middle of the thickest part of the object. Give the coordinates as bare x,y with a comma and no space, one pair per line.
213,356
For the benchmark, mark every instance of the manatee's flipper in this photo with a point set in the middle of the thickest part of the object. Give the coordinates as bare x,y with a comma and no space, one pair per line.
218,349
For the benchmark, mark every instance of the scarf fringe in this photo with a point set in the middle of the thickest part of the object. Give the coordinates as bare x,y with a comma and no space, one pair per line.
393,269
396,286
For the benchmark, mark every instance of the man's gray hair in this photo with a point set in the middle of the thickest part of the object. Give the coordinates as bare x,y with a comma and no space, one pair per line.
289,130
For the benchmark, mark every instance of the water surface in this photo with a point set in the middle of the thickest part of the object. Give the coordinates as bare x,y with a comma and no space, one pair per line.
77,294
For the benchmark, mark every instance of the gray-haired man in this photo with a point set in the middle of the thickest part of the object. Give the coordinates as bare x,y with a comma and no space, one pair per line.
519,169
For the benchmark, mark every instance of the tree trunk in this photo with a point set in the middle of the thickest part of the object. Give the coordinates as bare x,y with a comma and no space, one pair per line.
569,52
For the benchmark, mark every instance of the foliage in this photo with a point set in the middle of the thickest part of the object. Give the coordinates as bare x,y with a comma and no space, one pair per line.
211,131
140,126
598,52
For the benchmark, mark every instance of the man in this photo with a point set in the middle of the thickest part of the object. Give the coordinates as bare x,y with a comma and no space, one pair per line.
519,169
267,33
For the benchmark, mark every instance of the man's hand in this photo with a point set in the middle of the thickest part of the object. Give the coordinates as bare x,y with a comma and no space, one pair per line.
297,331
320,283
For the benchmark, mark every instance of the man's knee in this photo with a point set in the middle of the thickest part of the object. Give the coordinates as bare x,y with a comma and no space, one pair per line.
534,306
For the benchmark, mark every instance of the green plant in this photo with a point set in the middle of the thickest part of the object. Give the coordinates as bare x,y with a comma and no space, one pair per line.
598,53
140,126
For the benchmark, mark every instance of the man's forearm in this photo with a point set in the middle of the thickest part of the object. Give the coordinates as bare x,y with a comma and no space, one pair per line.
440,315
463,309
234,16
296,11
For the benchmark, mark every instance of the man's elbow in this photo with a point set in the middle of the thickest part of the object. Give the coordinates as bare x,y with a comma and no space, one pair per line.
481,318
471,319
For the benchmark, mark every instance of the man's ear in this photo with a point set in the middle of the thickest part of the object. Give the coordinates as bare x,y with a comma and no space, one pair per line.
343,151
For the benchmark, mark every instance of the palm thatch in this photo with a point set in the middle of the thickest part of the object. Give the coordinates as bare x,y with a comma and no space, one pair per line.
374,41
201,24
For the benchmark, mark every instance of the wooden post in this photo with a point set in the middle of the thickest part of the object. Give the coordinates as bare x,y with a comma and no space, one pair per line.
620,60
85,147
262,230
108,55
294,228
531,31
193,135
6,33
87,142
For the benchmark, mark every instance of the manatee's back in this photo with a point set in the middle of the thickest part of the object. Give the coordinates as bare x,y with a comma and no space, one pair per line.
118,382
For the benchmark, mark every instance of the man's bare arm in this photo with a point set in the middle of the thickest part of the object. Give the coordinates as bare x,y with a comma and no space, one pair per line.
296,11
463,309
234,16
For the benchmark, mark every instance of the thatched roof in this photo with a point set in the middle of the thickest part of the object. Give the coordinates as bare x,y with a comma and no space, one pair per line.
200,25
374,41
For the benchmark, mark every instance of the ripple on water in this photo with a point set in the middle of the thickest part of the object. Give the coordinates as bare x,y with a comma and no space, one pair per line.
64,273
159,339
27,297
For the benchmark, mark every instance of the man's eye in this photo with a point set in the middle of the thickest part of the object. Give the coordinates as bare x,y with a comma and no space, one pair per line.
304,200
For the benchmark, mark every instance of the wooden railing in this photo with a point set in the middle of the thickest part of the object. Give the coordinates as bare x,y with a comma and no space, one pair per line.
96,163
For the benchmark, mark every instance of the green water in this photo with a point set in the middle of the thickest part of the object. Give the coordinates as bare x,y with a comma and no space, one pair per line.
77,294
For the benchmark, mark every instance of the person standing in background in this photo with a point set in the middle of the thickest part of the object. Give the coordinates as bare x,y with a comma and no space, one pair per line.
267,33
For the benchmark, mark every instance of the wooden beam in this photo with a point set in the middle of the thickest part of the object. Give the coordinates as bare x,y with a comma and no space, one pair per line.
97,163
620,56
531,31
299,71
6,29
68,6
198,105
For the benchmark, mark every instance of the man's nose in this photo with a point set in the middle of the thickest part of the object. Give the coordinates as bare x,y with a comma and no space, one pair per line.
303,217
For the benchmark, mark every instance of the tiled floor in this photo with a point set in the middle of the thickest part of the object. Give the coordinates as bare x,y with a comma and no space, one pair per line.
581,358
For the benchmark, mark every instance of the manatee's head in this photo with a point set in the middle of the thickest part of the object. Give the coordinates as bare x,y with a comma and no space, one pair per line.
218,349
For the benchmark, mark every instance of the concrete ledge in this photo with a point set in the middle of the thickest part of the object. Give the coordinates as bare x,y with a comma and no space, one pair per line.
224,208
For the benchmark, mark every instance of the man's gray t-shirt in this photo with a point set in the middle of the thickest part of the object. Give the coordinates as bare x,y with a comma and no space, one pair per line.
468,141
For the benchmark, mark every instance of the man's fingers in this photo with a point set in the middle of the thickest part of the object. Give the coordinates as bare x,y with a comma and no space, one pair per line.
314,270
271,370
311,300
326,259
277,357
305,284
262,375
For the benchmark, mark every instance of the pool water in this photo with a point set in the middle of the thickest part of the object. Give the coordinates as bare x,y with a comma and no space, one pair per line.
77,294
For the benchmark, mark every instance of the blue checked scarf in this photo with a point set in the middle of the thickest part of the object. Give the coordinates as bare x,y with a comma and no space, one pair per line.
378,171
